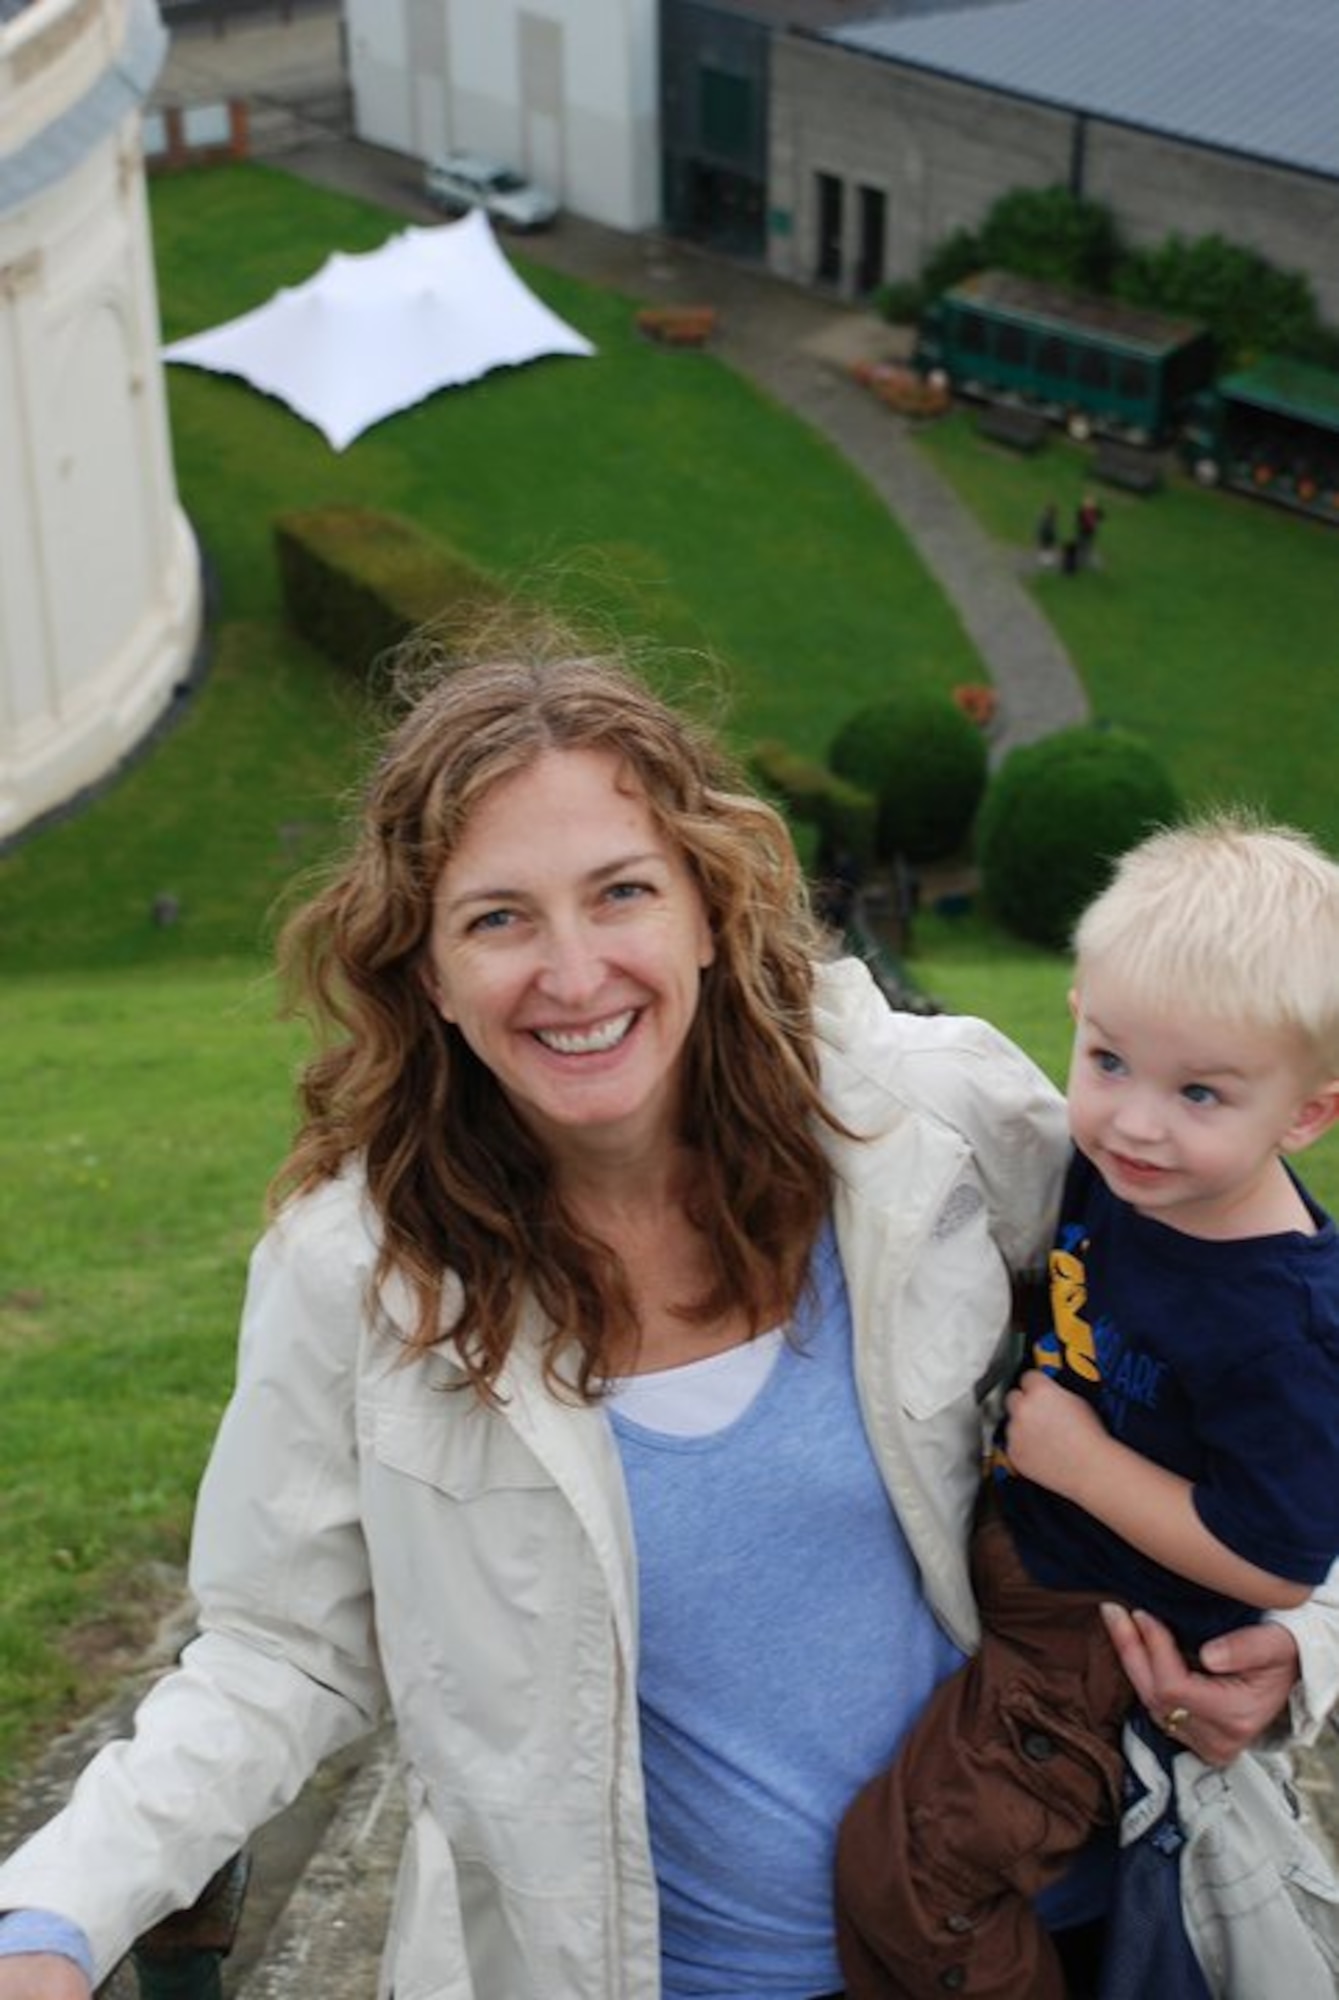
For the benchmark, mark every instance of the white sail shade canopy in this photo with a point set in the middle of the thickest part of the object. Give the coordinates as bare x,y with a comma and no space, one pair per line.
374,333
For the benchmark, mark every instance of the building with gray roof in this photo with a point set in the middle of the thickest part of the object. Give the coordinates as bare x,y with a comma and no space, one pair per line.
892,128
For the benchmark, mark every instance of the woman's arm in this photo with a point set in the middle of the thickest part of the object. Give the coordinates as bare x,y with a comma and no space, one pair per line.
285,1670
42,1975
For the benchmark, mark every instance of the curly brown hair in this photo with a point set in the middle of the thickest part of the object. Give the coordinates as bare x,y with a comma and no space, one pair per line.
469,1214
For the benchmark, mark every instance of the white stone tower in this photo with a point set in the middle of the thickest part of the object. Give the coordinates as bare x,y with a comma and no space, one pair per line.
100,593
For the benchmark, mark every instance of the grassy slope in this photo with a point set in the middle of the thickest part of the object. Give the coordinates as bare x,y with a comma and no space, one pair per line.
143,1116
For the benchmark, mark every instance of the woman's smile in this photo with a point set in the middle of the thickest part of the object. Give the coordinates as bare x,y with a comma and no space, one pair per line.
588,1041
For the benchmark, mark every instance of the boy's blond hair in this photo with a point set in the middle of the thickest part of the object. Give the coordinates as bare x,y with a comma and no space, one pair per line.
1231,917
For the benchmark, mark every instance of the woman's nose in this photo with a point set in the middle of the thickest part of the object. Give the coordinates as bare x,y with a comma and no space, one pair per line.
573,964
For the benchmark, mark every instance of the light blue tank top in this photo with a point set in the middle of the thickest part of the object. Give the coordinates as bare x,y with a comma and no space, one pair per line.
785,1647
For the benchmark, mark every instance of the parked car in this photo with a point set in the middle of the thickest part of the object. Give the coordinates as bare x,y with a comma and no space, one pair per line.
464,180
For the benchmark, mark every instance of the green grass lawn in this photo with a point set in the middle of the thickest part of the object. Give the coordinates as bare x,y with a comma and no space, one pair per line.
143,1116
147,1085
1210,628
653,487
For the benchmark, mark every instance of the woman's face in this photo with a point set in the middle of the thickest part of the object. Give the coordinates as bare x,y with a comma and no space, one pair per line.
568,943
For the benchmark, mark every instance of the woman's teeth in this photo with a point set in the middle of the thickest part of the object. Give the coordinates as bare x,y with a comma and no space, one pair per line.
589,1041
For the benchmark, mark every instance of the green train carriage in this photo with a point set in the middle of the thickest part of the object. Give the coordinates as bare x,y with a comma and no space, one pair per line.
1095,365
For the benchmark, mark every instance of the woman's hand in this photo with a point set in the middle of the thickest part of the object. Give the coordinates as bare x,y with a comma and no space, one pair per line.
1218,1708
42,1975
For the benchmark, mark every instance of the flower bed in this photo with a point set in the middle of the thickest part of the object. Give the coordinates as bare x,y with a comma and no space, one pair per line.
902,389
678,326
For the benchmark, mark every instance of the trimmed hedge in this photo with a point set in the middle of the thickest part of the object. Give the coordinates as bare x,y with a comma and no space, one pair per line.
357,583
926,764
1056,818
843,814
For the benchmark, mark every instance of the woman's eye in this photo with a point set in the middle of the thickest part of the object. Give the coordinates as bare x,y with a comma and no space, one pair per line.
627,892
490,920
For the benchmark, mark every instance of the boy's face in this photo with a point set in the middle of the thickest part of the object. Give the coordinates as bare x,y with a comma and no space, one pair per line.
1184,1116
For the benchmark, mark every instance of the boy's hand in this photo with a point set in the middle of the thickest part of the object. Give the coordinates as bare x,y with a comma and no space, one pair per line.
1221,1707
1053,1434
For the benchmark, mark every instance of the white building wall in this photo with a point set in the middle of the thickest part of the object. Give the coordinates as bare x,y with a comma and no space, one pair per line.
565,90
379,72
99,573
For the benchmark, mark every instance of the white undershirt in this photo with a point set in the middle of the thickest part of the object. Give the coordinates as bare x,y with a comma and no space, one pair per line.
702,1396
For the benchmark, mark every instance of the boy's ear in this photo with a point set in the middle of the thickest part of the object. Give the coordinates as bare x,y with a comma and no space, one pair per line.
1313,1117
1074,1003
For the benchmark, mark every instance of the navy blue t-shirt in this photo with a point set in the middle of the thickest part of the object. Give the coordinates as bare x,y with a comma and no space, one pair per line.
1218,1360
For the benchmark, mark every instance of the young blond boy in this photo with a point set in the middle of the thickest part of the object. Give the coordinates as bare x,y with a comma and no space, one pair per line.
1175,1442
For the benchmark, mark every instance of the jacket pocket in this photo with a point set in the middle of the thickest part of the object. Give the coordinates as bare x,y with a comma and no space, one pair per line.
463,1450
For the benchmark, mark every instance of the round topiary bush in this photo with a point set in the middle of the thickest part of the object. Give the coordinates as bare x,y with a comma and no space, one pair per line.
1057,815
925,763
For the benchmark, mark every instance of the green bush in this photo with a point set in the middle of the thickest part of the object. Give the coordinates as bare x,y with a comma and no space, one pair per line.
1250,306
357,583
1051,234
844,815
951,261
1056,817
1044,233
901,302
924,762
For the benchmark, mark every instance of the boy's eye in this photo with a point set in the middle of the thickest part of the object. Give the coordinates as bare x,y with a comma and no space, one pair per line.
1108,1062
1199,1093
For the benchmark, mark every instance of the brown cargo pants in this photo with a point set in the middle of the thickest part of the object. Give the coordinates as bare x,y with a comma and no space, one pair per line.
1013,1765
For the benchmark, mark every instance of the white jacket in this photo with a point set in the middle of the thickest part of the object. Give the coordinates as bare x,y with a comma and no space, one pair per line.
367,1536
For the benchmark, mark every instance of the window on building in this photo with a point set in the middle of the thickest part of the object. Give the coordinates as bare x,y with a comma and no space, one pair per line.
1053,356
1093,368
1134,381
726,114
972,333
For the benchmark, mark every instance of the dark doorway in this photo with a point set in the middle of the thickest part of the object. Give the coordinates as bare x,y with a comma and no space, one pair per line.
830,192
873,213
712,205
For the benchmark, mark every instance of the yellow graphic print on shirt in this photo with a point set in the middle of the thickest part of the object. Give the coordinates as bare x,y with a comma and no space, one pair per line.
1070,1343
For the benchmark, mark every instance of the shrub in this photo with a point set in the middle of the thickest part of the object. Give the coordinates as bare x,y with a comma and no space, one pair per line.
900,302
1044,233
1057,815
925,763
843,814
1051,234
357,583
1249,305
951,261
